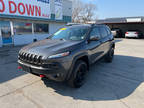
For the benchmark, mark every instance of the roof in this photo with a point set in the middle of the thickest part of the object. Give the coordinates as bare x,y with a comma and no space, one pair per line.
122,20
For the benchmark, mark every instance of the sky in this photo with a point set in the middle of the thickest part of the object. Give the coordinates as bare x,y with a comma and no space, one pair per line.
118,8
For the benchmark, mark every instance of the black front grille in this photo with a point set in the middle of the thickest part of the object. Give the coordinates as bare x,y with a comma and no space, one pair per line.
30,58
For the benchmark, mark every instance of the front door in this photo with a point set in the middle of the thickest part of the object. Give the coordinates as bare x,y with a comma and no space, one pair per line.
95,46
5,32
105,39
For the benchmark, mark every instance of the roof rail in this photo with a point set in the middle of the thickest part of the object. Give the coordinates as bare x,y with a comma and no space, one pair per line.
93,23
90,22
71,24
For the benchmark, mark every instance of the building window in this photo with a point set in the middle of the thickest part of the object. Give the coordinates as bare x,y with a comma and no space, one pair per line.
22,28
41,28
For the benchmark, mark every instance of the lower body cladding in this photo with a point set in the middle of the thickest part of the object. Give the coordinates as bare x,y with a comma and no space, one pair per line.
57,71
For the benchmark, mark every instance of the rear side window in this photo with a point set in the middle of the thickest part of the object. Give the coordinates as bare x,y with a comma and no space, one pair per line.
103,32
108,30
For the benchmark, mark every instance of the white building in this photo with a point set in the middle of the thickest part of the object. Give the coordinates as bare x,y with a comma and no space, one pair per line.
24,21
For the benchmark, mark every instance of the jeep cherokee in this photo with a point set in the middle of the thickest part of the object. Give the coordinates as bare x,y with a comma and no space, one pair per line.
67,54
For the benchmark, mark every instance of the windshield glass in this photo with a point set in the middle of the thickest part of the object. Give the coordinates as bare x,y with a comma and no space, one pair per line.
72,33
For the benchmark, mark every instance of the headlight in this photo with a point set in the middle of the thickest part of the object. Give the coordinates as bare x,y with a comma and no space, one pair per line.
60,55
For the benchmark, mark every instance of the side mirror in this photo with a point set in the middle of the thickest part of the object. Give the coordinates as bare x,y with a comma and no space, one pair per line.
94,38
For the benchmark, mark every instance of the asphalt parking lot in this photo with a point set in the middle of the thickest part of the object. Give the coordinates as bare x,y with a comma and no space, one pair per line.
116,85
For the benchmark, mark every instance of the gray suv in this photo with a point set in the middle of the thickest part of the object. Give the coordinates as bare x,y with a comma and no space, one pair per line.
67,54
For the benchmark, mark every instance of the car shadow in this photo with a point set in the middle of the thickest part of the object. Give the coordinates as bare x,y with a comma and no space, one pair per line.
118,40
8,64
110,81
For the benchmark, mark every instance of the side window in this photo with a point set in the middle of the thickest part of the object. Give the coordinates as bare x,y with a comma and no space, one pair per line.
103,32
95,33
108,30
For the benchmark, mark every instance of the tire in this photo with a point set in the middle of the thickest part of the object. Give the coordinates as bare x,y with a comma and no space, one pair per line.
78,75
109,56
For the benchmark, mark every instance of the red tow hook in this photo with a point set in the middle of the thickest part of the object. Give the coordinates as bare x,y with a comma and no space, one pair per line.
19,67
42,76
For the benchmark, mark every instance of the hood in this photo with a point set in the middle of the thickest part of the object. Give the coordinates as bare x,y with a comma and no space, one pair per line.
48,47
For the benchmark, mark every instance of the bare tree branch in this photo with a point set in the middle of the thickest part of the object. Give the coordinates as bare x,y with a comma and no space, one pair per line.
83,12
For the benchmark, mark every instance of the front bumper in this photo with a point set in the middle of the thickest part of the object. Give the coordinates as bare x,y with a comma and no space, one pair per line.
58,74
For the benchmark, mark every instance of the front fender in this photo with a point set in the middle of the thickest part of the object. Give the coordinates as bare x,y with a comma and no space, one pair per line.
75,58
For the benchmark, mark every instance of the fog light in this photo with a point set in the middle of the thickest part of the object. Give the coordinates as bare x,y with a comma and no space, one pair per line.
19,67
42,76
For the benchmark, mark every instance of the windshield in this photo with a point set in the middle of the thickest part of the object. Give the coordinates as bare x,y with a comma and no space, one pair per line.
72,33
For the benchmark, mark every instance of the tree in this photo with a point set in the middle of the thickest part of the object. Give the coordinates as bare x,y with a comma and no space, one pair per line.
76,11
83,12
88,12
